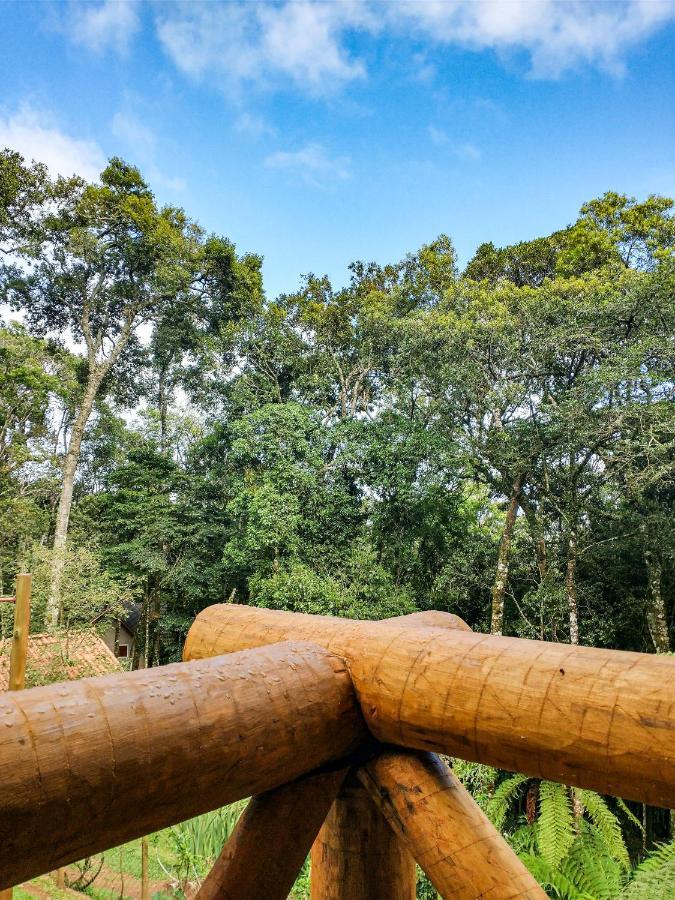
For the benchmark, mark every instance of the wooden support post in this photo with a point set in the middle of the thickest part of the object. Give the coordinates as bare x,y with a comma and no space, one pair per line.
168,743
446,832
598,719
145,878
357,856
17,662
267,849
19,650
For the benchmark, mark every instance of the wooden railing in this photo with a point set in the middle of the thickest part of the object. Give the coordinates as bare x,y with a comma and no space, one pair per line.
333,727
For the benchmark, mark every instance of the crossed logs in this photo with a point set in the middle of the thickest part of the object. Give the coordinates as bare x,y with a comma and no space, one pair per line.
333,727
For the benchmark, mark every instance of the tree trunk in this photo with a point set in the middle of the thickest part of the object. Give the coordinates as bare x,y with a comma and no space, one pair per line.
502,575
657,619
163,404
571,584
66,496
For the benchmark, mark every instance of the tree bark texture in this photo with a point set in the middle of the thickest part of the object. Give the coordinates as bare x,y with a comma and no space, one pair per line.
593,718
357,856
449,836
571,585
657,618
94,763
70,464
503,560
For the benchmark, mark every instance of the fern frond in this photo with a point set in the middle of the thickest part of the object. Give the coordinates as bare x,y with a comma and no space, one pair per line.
524,839
595,873
555,825
607,824
498,806
628,814
552,880
654,878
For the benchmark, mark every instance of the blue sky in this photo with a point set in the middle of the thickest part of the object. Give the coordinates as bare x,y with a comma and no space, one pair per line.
320,133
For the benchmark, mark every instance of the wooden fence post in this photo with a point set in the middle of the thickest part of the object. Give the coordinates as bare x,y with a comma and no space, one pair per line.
357,856
17,662
19,650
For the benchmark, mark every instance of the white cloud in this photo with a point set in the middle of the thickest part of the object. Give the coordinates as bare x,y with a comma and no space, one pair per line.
464,150
307,43
35,136
557,34
103,25
132,132
438,136
241,43
313,164
140,143
467,150
256,126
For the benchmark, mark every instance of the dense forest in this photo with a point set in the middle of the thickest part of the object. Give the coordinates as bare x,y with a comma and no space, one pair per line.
498,442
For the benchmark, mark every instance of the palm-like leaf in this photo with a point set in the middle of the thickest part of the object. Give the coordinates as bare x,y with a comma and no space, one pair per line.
654,878
498,806
607,824
555,826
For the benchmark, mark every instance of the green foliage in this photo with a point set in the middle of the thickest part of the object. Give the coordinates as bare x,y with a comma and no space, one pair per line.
93,598
197,843
654,878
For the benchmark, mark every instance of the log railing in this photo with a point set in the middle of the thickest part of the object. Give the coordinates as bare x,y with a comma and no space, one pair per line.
333,727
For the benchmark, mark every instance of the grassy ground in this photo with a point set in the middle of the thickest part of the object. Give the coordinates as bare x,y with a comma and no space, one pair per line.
119,878
172,854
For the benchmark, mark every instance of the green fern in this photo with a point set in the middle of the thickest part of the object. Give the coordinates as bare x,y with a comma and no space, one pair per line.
555,826
629,815
553,880
498,806
654,878
593,871
607,824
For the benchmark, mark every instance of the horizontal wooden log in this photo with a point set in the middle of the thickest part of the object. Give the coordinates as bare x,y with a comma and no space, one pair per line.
430,618
357,856
599,719
266,852
90,764
447,833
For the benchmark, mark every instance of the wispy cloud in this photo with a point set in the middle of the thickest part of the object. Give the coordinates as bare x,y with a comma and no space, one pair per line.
35,135
556,34
256,126
307,44
262,43
462,149
141,145
100,26
313,164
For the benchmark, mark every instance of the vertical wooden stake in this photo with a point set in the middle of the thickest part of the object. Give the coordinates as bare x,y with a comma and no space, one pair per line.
145,881
17,658
357,856
17,662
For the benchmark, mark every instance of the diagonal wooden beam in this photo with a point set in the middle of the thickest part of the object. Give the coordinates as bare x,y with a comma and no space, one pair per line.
594,718
357,856
265,854
94,763
449,836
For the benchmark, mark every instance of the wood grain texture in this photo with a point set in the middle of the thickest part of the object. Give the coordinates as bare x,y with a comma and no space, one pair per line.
446,832
94,763
19,651
598,719
357,856
267,849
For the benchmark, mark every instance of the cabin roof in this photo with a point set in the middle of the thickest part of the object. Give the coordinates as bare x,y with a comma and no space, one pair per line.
60,657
